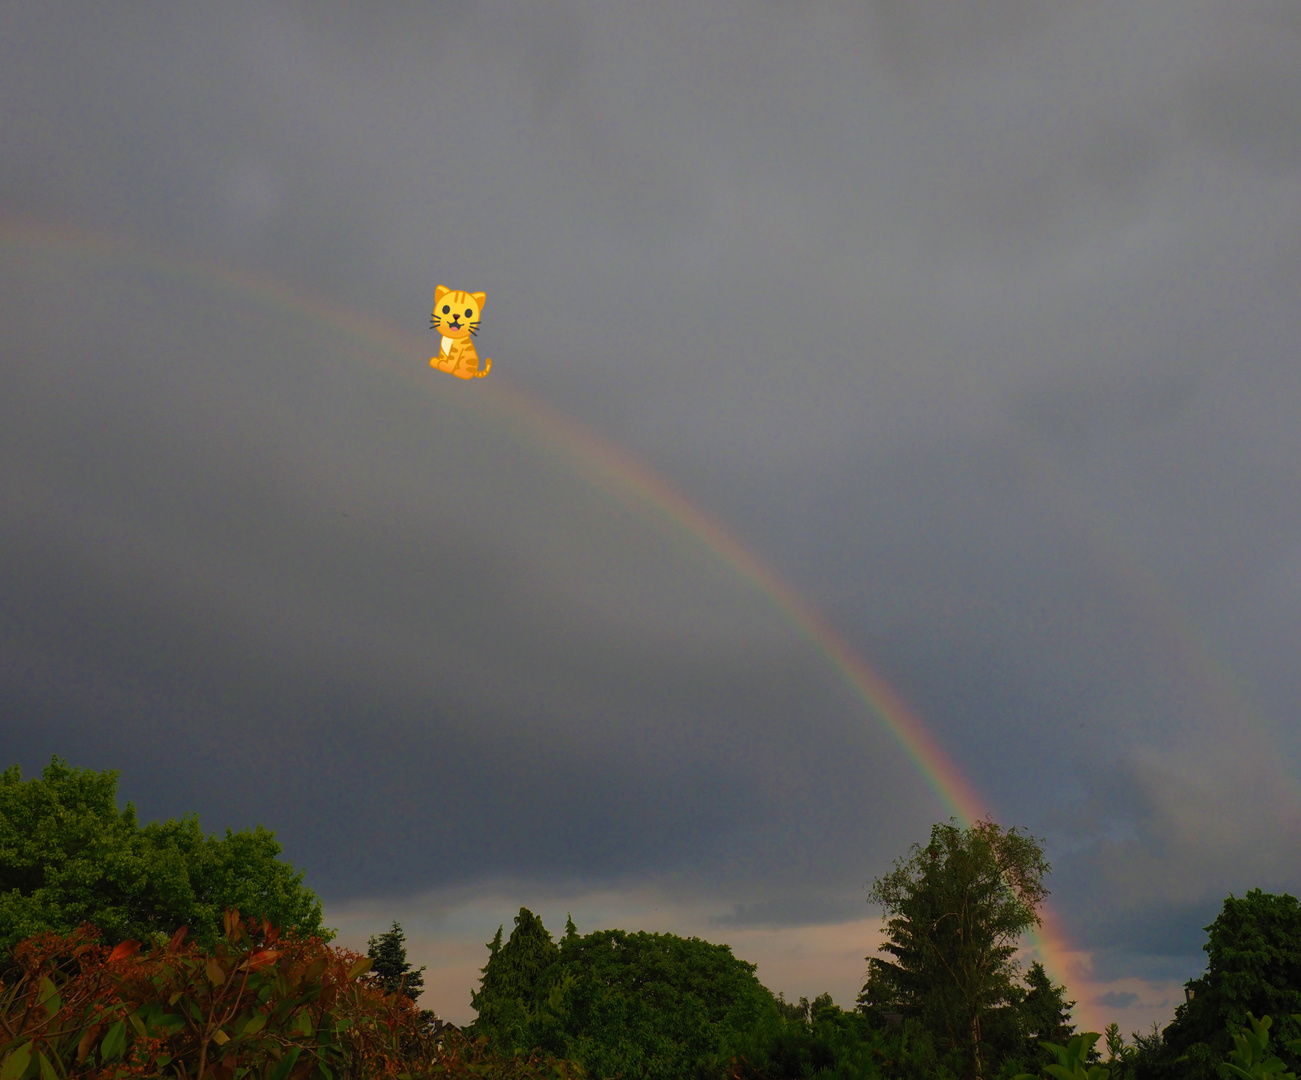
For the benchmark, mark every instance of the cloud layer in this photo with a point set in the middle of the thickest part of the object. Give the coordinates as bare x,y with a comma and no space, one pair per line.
977,324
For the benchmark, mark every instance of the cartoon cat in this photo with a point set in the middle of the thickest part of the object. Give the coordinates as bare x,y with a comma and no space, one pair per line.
456,316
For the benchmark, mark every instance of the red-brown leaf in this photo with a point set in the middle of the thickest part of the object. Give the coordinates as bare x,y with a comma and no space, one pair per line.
127,948
88,1038
262,959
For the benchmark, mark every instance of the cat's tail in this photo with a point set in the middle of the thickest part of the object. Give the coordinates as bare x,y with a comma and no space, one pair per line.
481,374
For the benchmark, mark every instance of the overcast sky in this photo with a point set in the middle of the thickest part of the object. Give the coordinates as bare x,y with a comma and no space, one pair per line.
976,320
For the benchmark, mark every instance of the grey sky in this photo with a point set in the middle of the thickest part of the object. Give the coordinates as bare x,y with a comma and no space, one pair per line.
976,319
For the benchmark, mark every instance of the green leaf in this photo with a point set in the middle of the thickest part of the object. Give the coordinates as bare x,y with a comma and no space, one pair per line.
49,998
286,1066
137,1023
114,1042
47,1070
256,1023
16,1063
169,1024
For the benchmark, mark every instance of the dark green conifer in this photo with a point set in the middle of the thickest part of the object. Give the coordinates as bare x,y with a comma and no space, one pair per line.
510,974
1045,1010
391,969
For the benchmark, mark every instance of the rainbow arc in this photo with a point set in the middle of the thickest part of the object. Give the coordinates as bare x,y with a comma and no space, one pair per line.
560,433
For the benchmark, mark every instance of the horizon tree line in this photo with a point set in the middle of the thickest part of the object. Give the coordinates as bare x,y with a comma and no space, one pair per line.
944,996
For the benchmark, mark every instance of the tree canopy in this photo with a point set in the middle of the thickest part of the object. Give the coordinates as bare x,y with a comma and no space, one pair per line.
1253,966
649,1006
68,856
956,909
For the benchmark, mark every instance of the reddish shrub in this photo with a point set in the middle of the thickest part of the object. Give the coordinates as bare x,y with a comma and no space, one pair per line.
259,1004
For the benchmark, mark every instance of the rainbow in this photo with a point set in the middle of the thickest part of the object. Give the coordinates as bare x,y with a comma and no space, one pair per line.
616,470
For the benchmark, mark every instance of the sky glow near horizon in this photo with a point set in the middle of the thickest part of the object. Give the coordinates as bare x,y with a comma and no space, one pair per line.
975,323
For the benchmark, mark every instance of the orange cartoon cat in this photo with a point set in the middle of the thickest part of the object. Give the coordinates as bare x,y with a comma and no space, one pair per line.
456,316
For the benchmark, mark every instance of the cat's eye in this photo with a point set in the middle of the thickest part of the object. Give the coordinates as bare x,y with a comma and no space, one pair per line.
469,313
446,309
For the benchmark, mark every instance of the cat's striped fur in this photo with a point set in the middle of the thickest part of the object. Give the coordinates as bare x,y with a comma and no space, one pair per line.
456,317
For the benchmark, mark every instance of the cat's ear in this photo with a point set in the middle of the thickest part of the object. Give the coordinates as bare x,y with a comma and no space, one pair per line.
440,291
477,297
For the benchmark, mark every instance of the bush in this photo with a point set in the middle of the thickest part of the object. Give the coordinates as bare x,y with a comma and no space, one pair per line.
258,1004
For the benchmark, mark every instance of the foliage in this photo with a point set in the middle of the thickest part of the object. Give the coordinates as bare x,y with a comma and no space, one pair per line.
1071,1062
956,909
1013,1035
1122,1060
831,1044
258,1004
504,1000
1045,1010
638,1005
391,969
1135,1059
803,1010
69,857
1250,1059
1253,968
654,1005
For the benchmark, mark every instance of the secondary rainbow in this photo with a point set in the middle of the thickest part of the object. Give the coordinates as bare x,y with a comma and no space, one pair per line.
605,461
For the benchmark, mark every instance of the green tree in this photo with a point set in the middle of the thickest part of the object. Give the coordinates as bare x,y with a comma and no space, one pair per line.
1253,968
391,968
508,981
1012,1035
1045,1011
647,1006
955,911
69,856
652,1005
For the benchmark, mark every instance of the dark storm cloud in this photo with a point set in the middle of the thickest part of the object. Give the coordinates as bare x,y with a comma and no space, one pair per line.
376,623
794,910
978,320
1159,946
